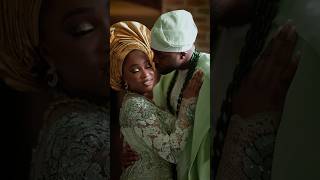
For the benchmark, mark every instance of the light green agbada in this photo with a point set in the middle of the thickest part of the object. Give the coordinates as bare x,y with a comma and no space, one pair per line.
194,160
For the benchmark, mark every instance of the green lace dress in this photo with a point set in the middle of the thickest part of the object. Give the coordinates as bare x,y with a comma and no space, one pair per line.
156,135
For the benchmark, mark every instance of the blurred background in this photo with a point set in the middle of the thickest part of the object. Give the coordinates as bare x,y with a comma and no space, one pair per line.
147,12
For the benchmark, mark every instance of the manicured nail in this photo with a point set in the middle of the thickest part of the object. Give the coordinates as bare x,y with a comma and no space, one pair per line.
285,27
292,33
289,22
297,57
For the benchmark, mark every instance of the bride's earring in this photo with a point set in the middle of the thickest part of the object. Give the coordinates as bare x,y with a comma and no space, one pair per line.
52,77
126,86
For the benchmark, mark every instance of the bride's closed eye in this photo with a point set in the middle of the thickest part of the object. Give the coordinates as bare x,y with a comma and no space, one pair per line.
82,29
135,70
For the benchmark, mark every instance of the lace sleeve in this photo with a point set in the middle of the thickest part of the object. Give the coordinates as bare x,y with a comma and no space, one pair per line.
249,146
147,121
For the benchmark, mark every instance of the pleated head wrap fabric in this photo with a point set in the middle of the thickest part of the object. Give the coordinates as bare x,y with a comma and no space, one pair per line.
125,37
19,37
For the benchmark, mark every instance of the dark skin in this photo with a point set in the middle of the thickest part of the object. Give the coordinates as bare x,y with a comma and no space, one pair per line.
73,42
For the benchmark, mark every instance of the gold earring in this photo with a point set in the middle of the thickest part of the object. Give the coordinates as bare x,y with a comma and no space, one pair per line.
126,86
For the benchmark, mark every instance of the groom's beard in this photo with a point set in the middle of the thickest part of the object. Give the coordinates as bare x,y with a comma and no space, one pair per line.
166,70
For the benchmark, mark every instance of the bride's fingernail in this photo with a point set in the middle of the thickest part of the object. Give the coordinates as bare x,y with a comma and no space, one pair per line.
284,28
278,31
298,56
292,33
289,22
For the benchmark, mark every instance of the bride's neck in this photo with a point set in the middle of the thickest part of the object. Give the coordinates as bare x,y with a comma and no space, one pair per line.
148,95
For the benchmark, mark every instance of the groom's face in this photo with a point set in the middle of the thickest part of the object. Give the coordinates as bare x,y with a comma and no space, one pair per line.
167,62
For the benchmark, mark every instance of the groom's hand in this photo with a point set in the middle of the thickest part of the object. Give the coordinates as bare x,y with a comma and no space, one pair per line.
128,156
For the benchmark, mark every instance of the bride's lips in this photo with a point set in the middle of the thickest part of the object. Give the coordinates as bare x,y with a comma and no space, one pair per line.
148,82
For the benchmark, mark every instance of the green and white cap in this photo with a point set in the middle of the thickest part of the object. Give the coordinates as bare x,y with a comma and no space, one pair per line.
174,31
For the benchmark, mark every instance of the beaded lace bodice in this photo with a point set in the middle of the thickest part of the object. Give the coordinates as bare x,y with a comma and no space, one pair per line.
156,135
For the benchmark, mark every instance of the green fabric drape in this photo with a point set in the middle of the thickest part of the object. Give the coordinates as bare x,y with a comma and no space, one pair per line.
194,160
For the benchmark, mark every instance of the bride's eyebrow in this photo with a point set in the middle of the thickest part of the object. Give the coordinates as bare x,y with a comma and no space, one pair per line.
78,11
134,65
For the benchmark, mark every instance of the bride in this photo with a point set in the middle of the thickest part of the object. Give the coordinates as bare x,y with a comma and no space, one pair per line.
156,135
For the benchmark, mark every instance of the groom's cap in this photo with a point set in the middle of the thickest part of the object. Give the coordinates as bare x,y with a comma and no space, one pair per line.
174,31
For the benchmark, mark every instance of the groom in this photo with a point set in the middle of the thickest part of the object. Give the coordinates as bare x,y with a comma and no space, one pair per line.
172,40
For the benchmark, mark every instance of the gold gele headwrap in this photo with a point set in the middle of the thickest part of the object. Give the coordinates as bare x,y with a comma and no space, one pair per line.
19,35
125,37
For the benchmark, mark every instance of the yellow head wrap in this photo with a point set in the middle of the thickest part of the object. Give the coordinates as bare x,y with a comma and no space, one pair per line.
19,21
124,38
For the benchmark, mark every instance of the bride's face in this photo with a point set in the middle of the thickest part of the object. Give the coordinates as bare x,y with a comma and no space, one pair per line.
73,36
138,73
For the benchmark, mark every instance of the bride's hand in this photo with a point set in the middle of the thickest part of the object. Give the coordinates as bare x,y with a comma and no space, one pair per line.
194,85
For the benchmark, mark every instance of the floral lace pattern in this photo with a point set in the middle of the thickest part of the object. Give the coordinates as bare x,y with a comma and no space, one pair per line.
155,134
249,147
75,145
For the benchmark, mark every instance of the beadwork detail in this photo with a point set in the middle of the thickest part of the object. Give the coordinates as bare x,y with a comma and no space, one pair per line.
193,63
